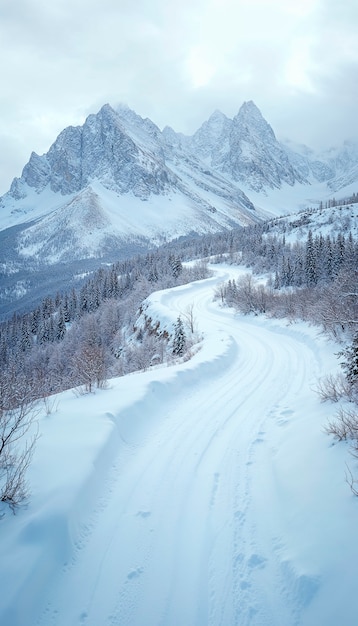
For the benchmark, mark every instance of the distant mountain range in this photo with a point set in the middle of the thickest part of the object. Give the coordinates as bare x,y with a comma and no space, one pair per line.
118,178
119,184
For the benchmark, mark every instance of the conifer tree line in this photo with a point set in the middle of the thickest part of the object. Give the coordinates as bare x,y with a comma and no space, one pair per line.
52,342
332,202
82,337
314,280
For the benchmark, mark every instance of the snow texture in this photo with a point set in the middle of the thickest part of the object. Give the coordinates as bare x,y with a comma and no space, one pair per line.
119,180
201,494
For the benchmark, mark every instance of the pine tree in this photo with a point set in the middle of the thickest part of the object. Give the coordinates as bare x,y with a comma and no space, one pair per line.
311,261
350,363
60,326
66,309
25,337
176,265
179,341
329,258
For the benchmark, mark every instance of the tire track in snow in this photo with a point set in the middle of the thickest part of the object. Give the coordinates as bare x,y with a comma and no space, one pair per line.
181,542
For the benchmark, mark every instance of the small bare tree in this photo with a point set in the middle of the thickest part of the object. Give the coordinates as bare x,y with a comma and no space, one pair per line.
189,318
17,435
352,482
89,367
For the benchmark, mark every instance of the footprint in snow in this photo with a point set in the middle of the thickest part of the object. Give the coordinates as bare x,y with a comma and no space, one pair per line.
244,585
135,573
143,514
256,560
283,417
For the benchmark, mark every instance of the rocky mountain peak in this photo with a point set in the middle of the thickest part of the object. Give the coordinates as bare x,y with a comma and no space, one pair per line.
212,136
128,154
250,125
118,148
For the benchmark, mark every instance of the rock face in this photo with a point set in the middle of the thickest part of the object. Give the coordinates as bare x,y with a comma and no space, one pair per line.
113,181
119,178
247,151
255,154
100,149
129,154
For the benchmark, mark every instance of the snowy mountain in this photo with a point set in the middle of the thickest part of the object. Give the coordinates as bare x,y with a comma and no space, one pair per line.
246,150
118,185
101,149
344,162
119,159
105,190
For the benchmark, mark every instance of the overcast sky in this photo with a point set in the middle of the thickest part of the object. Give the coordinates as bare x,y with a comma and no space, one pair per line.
175,62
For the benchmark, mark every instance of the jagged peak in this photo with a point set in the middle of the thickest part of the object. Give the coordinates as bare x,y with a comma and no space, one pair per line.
129,115
249,105
250,120
169,134
212,129
107,108
249,111
217,115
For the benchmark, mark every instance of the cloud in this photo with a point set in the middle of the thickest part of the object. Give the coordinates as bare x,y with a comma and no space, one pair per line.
175,64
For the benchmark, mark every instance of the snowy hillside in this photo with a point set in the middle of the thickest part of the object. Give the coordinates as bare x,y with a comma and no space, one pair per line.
247,150
118,186
203,494
121,158
119,179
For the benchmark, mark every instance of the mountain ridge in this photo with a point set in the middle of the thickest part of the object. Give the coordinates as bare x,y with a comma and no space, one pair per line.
119,179
243,148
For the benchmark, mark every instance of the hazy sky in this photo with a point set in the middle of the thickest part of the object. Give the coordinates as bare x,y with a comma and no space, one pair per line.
175,62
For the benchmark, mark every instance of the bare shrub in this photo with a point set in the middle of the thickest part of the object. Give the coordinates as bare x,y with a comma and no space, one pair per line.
344,425
18,410
352,482
334,387
15,461
189,317
88,365
51,404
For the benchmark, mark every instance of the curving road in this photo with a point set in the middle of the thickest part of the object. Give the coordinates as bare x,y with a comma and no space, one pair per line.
198,521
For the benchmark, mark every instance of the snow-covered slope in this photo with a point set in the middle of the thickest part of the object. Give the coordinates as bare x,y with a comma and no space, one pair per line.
344,162
337,167
119,180
201,494
96,222
111,181
247,150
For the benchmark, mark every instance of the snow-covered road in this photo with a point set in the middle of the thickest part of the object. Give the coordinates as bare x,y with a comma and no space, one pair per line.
211,502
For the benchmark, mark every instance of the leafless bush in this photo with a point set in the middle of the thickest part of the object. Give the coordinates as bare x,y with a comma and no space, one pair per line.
352,482
191,351
18,410
88,365
189,317
15,461
334,388
344,425
51,404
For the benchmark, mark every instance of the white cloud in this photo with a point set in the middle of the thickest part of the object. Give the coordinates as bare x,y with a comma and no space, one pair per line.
175,64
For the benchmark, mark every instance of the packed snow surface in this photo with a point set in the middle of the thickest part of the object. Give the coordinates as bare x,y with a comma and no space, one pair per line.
201,494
